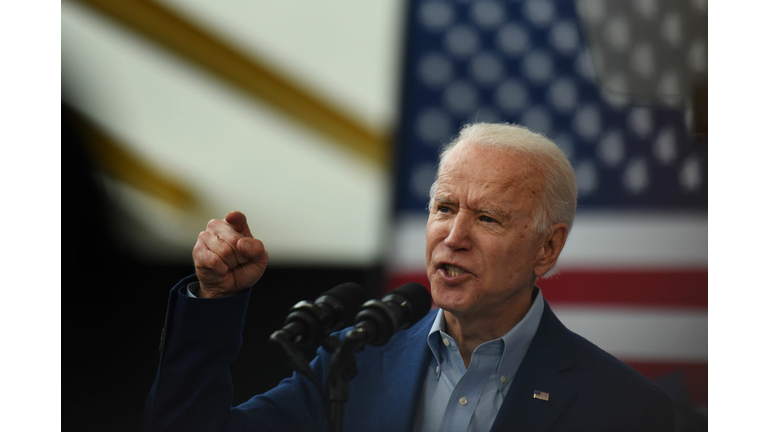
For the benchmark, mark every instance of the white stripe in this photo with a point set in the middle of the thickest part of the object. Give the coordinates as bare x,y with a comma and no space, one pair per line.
409,242
641,334
598,240
637,240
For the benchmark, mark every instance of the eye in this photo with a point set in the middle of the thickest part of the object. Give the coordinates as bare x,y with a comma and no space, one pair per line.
487,219
443,209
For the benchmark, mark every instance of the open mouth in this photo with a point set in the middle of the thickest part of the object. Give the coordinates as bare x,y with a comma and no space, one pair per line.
452,270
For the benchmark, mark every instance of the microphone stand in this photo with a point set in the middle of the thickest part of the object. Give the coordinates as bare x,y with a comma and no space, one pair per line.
342,369
300,364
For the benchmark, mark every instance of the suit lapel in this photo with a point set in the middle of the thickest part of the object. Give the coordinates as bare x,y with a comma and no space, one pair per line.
405,364
540,370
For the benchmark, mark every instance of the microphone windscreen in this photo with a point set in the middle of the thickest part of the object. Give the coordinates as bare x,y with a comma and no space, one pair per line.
419,298
350,296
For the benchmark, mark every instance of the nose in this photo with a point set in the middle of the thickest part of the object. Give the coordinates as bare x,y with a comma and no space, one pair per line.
459,234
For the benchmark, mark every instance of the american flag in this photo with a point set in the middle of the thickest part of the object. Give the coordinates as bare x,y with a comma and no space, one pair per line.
603,80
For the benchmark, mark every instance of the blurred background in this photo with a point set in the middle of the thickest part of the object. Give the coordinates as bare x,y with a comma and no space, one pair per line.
321,121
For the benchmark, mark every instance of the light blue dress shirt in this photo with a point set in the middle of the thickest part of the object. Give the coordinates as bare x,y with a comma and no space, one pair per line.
192,289
457,398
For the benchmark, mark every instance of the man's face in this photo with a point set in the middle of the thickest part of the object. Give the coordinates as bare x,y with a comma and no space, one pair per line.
482,251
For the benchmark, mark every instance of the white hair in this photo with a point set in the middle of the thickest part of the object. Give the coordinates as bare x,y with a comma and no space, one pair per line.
557,203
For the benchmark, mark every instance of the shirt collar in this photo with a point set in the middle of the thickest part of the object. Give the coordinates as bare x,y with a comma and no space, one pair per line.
514,343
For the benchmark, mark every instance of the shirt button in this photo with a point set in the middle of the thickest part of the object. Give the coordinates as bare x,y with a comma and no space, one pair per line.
463,401
437,369
503,379
446,342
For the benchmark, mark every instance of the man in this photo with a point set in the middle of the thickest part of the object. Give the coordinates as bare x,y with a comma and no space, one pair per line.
492,357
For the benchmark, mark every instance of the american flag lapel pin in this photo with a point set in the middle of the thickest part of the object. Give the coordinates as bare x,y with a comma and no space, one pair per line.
538,394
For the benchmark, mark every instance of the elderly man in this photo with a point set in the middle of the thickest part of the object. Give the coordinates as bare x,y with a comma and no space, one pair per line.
492,357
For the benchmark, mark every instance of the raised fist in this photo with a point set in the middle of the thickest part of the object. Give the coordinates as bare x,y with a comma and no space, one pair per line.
227,258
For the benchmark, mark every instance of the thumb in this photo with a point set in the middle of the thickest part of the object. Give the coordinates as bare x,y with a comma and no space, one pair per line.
250,247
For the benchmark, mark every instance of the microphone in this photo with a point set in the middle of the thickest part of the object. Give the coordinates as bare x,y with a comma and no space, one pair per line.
379,320
309,324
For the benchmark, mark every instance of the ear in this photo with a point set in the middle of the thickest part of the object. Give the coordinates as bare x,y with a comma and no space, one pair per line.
550,250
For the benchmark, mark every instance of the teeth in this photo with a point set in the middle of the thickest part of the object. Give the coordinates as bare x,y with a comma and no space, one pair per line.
453,270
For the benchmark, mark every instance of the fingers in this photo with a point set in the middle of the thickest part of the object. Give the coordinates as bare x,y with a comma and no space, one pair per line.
216,247
222,238
238,221
208,261
221,249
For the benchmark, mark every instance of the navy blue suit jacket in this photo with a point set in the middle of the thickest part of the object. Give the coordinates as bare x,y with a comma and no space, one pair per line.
589,390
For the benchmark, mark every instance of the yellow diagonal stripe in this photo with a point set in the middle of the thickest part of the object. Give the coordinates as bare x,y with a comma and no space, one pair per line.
115,159
254,78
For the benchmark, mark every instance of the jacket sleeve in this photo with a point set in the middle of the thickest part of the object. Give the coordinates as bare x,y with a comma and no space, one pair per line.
193,387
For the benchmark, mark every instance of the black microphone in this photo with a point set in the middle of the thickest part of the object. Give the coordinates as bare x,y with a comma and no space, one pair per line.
309,324
379,320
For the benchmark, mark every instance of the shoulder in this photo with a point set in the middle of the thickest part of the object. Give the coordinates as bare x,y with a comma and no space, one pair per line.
600,367
583,361
605,383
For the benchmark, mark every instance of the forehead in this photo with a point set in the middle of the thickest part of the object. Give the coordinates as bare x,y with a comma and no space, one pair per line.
489,167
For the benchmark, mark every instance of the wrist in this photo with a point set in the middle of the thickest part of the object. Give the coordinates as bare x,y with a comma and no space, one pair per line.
210,292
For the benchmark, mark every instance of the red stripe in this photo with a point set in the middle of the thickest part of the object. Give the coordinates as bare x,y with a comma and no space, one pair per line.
657,288
685,382
670,288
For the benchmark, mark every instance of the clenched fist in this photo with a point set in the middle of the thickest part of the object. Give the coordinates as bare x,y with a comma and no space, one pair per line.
227,258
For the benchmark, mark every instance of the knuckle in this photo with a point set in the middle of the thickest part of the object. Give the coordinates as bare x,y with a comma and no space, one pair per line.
215,264
201,257
226,252
198,247
218,266
201,244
